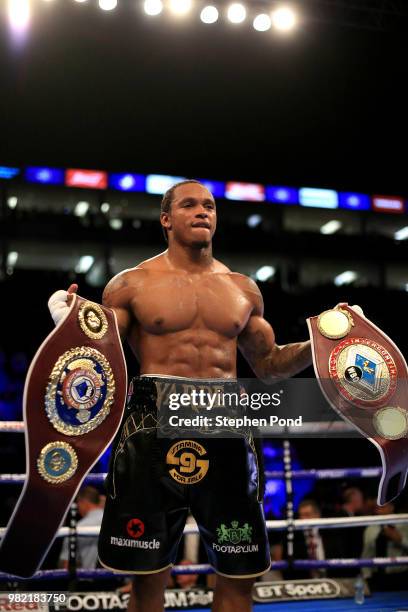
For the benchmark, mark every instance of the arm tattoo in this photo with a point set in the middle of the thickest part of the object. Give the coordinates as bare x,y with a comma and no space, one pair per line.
112,289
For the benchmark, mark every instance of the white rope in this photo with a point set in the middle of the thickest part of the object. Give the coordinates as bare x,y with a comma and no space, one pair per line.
11,426
21,478
320,474
348,521
299,524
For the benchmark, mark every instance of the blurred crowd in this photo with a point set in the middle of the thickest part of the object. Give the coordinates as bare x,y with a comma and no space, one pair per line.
315,544
13,369
368,542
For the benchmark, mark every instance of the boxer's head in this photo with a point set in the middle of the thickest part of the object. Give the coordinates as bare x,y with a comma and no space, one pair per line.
188,214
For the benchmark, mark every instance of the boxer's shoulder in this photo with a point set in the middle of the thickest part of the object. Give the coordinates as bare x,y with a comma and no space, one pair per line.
247,285
121,287
126,284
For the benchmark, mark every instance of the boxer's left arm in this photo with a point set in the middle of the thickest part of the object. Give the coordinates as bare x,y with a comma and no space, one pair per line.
268,360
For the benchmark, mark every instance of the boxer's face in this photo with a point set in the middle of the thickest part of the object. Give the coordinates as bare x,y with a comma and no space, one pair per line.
192,217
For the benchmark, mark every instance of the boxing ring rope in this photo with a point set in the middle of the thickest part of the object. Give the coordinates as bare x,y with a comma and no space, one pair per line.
327,474
280,525
207,569
11,426
277,525
324,474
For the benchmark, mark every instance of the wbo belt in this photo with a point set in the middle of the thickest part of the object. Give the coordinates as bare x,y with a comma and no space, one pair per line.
364,377
74,398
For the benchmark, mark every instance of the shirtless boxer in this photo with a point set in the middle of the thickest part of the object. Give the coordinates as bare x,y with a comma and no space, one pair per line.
184,313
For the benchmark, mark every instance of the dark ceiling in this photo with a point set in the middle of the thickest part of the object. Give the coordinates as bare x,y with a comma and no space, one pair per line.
324,106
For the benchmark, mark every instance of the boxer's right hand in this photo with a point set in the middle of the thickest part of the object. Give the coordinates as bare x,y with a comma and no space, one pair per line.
59,303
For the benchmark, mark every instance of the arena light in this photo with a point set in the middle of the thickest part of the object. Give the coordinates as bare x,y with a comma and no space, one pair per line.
108,5
254,220
80,1
180,7
87,179
81,209
217,188
44,175
158,184
236,13
12,259
19,15
354,201
246,192
209,14
262,22
388,204
345,278
84,264
282,195
284,18
265,273
127,182
401,234
318,198
153,7
331,227
8,173
116,224
105,207
12,202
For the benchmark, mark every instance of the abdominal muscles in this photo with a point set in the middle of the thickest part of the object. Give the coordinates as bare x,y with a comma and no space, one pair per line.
193,353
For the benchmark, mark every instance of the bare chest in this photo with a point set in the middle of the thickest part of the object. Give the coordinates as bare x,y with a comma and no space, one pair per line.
172,303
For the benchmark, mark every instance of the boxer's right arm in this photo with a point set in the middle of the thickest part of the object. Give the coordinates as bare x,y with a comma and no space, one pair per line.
117,295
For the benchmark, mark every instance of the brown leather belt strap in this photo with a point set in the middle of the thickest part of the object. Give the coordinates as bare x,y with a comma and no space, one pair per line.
364,377
74,399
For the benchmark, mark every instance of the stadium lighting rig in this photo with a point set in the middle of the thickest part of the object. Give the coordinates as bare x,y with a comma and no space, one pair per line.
263,16
281,17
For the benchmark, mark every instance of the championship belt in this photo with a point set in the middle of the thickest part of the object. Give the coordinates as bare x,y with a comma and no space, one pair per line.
363,376
74,398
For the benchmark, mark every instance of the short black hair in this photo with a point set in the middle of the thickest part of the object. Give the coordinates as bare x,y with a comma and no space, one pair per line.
168,199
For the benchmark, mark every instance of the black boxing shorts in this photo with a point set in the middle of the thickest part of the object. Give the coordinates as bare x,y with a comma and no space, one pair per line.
154,483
